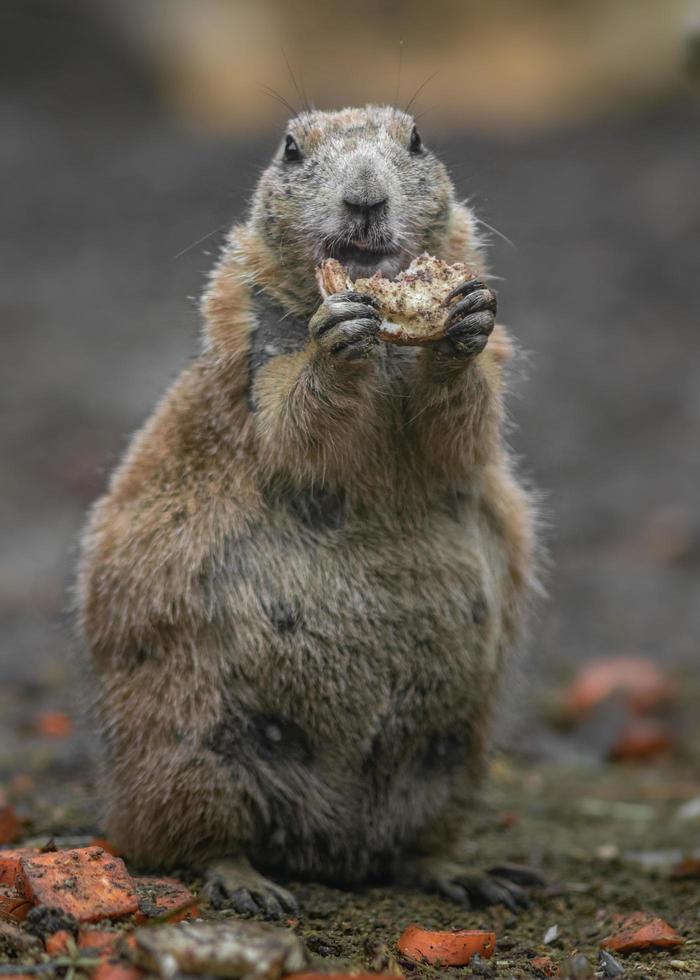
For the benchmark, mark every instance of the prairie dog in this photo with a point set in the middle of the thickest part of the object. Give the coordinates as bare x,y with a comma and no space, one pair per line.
298,592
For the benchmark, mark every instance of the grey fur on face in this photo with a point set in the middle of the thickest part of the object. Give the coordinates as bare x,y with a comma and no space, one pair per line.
368,193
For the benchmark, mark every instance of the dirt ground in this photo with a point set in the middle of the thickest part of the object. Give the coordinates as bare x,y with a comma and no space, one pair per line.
606,837
109,215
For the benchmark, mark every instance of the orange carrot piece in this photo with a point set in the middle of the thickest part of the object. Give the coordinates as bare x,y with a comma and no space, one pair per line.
106,846
640,930
114,969
103,940
9,863
85,882
641,739
57,943
641,683
687,868
14,907
448,948
53,724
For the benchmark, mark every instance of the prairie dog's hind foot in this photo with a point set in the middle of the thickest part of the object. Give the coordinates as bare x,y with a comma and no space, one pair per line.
235,884
506,884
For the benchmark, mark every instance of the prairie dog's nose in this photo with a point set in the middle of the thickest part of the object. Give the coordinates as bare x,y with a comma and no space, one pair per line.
364,205
365,194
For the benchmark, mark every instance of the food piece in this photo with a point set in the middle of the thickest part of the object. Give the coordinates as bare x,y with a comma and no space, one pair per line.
13,907
54,724
101,940
232,948
641,739
640,930
412,304
164,897
448,948
115,969
642,685
85,882
105,845
57,942
687,868
9,863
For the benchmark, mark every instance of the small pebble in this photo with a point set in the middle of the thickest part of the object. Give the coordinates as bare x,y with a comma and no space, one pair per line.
609,965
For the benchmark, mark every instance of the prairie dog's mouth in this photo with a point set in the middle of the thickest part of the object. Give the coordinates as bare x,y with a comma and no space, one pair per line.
362,258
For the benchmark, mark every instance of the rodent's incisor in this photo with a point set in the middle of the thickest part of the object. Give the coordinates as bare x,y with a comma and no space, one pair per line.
299,589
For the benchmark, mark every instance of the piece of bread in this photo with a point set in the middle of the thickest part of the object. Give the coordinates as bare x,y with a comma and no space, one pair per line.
412,304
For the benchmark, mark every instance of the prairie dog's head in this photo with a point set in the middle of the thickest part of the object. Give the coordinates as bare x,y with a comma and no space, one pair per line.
357,185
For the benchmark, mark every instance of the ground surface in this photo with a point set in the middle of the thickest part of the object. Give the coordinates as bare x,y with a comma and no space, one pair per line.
606,837
103,197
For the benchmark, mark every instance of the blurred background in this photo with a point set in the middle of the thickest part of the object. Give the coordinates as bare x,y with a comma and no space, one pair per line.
132,134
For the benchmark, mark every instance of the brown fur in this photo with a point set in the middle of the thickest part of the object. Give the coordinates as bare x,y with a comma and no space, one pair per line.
336,552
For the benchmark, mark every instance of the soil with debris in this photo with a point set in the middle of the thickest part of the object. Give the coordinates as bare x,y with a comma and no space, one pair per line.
607,836
105,198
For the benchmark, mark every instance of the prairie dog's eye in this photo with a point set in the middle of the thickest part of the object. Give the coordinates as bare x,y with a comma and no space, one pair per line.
291,150
416,143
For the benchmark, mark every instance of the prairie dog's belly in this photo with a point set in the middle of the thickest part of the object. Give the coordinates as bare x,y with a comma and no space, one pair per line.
374,600
359,655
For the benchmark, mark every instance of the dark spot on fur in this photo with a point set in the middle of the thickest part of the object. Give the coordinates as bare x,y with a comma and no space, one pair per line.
234,561
242,733
479,611
284,618
445,752
274,333
318,509
282,738
140,656
371,758
453,502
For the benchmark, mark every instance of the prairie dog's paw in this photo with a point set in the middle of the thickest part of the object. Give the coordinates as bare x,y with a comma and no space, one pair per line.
237,885
505,885
470,320
346,326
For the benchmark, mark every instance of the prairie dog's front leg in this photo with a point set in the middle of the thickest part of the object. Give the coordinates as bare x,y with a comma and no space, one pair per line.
470,320
454,400
315,408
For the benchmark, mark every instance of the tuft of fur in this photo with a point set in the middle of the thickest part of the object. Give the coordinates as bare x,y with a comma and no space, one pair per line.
299,591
